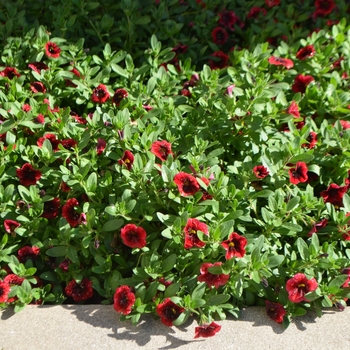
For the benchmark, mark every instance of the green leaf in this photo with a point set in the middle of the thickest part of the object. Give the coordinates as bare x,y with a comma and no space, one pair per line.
199,291
57,251
91,182
182,318
196,303
112,225
151,291
172,290
218,299
275,260
303,248
119,70
306,158
169,263
293,203
73,255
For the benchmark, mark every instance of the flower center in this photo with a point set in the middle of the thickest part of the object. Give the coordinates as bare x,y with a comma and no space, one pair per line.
193,232
231,244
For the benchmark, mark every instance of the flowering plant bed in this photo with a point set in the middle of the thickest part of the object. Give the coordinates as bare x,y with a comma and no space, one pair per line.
165,184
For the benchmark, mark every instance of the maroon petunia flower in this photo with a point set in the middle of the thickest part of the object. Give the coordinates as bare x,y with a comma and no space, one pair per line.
133,236
228,19
255,11
51,209
37,87
10,72
209,278
77,118
317,226
334,194
52,50
186,184
127,160
272,3
206,331
26,108
69,143
4,292
221,60
101,145
323,8
79,291
219,35
13,280
299,173
275,311
312,140
301,82
38,66
161,149
345,124
27,252
206,195
39,119
53,140
11,225
234,246
118,96
306,52
100,94
293,109
180,48
190,230
69,212
260,171
298,286
64,265
28,175
124,299
168,311
279,61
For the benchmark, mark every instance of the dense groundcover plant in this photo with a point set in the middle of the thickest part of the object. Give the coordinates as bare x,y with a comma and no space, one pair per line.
186,176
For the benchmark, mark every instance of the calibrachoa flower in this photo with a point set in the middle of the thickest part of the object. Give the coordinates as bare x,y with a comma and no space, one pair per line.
334,194
345,124
79,291
301,82
306,52
221,60
124,299
69,143
52,50
255,11
38,66
272,3
219,36
260,171
168,311
186,184
206,331
100,94
133,236
312,139
13,280
323,8
27,252
10,73
191,238
118,96
101,145
11,225
70,214
4,291
161,149
228,19
299,173
234,246
317,226
275,311
39,119
298,286
209,278
229,90
51,208
279,61
127,160
293,109
53,140
37,87
28,175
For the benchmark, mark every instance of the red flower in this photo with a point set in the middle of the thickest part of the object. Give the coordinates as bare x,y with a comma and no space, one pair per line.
69,143
323,8
52,50
318,226
161,149
186,184
234,246
13,280
127,160
53,140
27,252
11,225
180,48
28,175
279,61
73,217
64,265
345,124
301,82
37,87
10,73
51,208
306,52
219,36
100,94
228,19
255,11
275,311
293,109
298,286
119,95
4,291
168,311
38,66
101,145
209,278
260,171
207,331
298,174
124,299
26,108
220,60
191,238
39,119
77,118
133,236
79,291
334,194
312,139
272,3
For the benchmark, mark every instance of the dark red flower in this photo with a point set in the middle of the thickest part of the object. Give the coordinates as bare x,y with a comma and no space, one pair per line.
37,86
186,184
28,252
228,19
133,236
73,217
206,331
279,61
69,143
52,110
79,291
190,230
127,160
168,311
299,173
10,73
4,291
206,194
64,265
306,52
345,124
78,119
28,175
118,96
13,280
53,140
101,145
124,299
38,66
317,226
312,139
334,194
219,36
347,180
293,109
11,225
220,60
275,311
298,286
52,50
272,3
260,171
180,48
64,187
100,94
234,246
51,208
161,149
26,108
323,8
185,92
209,278
255,11
301,82
39,119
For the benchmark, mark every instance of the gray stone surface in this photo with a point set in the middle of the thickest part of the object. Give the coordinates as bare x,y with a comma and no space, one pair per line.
98,327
